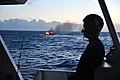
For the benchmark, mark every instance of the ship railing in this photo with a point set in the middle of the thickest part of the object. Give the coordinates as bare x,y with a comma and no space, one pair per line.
8,68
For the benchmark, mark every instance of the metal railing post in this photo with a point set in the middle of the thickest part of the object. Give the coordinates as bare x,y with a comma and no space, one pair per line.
110,26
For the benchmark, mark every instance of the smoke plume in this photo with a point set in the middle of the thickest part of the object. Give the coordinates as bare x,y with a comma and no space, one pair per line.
68,27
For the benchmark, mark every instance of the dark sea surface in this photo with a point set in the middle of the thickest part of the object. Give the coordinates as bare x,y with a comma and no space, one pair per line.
36,51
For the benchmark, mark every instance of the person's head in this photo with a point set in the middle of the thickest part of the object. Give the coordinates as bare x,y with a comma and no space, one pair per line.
92,26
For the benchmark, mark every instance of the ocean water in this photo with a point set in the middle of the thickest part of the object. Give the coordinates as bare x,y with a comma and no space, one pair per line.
33,50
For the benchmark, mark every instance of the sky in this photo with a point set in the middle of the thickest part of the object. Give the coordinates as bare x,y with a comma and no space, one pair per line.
59,10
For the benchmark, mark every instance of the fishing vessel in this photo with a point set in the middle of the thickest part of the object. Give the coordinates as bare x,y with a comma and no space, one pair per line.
50,32
109,70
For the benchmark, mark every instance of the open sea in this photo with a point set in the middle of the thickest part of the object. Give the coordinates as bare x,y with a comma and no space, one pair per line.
33,50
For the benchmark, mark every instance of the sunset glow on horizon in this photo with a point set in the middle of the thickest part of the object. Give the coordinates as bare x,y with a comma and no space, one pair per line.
59,10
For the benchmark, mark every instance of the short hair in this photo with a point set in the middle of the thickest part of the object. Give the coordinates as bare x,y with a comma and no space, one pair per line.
95,21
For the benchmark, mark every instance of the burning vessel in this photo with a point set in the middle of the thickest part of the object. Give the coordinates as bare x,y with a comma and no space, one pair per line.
50,32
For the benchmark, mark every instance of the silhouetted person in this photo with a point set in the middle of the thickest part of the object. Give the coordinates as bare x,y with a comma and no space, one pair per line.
93,55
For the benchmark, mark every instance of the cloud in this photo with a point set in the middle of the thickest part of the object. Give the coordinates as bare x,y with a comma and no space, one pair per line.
20,24
41,25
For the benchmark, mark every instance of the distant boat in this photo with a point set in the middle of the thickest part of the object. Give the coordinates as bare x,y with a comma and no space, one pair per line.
50,32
